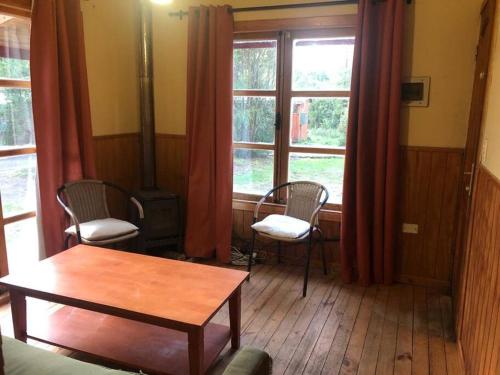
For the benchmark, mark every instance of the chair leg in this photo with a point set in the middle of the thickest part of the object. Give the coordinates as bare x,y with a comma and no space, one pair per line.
66,241
279,251
308,261
250,253
322,250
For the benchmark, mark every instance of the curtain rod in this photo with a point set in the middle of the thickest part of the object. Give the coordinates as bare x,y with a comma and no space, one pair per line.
183,13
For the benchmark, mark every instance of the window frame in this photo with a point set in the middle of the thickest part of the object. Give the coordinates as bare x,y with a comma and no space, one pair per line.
18,8
14,150
276,93
284,94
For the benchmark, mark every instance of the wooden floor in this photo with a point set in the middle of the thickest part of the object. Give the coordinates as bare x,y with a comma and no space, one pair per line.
340,329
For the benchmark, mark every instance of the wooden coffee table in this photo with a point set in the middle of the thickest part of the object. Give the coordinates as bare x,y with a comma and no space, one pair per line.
138,311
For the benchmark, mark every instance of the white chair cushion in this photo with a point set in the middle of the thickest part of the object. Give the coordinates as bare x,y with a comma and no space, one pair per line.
282,226
102,229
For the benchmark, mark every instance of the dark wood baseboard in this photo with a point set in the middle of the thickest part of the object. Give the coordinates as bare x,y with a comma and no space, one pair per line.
442,286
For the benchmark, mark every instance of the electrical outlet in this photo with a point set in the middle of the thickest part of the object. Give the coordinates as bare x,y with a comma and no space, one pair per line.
410,228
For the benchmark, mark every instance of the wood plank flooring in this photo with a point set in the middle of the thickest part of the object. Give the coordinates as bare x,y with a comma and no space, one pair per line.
336,329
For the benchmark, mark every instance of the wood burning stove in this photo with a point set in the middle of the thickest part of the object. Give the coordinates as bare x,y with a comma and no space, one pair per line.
162,222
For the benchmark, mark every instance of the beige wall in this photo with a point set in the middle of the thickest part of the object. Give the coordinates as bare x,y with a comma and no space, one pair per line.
111,47
490,144
440,42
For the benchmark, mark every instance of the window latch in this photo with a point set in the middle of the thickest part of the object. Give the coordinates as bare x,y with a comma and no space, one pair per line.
277,123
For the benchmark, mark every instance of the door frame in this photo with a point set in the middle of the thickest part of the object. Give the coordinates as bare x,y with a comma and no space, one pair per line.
471,158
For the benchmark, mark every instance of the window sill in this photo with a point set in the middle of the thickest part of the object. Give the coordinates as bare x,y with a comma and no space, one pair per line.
16,150
273,208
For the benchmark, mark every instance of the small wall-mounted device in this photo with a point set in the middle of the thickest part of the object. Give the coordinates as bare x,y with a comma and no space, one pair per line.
415,91
410,228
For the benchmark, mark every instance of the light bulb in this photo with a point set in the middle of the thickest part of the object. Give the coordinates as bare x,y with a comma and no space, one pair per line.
162,2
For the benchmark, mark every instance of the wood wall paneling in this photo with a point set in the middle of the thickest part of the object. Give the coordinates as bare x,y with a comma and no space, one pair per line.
170,162
479,336
428,197
429,186
117,161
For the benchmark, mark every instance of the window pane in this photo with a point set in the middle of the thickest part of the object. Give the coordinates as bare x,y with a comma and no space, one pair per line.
253,119
18,184
253,171
325,169
16,118
254,66
322,64
22,244
319,122
14,47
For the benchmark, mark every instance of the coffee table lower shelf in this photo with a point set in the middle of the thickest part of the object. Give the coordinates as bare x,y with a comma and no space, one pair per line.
152,349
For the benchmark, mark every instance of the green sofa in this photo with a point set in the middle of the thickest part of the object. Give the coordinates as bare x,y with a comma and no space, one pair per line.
22,359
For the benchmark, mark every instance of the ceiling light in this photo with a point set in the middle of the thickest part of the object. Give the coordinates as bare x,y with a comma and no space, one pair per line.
162,2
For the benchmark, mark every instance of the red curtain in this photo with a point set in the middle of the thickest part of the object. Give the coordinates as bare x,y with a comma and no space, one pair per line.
61,109
209,133
369,224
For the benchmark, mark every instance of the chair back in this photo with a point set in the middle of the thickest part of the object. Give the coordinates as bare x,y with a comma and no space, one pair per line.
87,199
304,199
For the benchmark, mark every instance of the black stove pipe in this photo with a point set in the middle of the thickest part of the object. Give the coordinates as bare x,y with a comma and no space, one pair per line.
147,107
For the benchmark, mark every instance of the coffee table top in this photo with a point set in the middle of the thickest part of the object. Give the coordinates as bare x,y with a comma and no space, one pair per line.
170,291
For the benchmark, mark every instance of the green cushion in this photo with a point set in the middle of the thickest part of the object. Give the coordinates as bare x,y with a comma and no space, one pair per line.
23,359
249,361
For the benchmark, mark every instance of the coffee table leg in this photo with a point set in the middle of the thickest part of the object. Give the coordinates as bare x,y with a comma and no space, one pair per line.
18,309
196,351
235,318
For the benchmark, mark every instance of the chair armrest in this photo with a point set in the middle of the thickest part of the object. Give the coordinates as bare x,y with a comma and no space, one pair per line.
314,217
139,207
136,203
68,211
257,208
263,199
74,220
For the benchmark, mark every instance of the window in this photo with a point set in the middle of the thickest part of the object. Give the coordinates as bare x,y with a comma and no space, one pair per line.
290,109
17,146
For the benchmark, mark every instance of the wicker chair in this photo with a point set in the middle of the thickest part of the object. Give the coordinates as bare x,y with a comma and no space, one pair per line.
86,204
298,223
